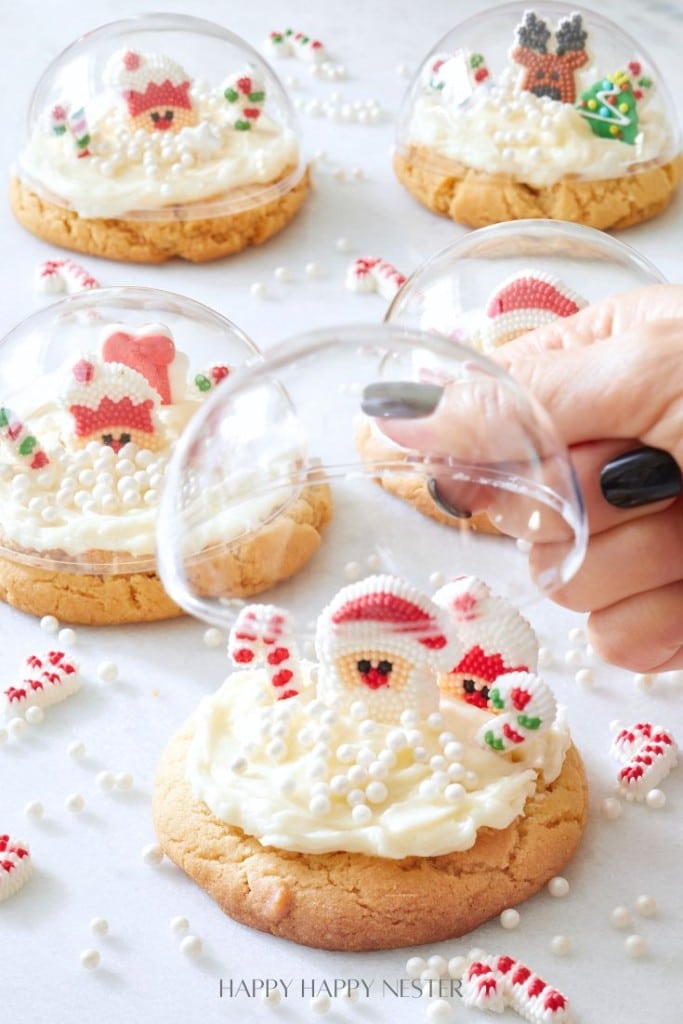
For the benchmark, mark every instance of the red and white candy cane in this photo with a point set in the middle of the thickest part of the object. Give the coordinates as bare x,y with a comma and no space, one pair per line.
497,982
527,708
295,44
648,753
20,441
55,276
48,680
263,635
16,865
371,274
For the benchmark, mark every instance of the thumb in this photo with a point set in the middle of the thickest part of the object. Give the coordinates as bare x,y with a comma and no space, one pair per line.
616,388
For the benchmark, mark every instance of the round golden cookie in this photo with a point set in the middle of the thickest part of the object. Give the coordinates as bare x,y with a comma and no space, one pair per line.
411,487
354,902
156,241
477,199
279,550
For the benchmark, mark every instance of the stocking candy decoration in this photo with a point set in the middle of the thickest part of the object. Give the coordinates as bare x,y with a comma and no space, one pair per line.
382,642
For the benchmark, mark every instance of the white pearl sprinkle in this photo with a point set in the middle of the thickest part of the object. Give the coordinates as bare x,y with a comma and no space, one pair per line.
573,658
353,571
376,792
439,964
656,799
76,750
358,710
16,727
90,959
620,917
191,946
560,945
320,1003
258,290
123,780
635,946
34,809
99,925
361,814
108,671
558,887
271,998
454,792
343,245
611,808
435,721
355,798
510,918
179,925
319,806
67,636
213,637
644,681
545,657
585,677
440,1011
312,269
281,274
104,780
49,624
646,905
415,965
577,635
152,854
34,715
456,966
74,803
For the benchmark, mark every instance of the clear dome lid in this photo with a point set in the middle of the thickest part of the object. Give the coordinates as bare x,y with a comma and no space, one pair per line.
499,282
160,111
542,94
94,393
313,420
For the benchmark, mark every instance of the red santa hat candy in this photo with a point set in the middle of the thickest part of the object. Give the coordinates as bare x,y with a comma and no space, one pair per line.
495,637
527,300
151,352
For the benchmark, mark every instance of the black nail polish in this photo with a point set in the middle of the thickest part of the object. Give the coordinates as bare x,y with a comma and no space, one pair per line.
400,399
438,499
641,477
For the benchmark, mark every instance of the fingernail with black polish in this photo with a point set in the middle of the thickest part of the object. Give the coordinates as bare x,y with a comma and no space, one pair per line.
445,506
641,477
400,399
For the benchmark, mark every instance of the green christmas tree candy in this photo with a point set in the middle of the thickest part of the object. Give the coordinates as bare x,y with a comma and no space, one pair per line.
610,108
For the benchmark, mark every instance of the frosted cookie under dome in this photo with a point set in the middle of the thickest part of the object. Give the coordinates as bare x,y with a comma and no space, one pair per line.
551,112
495,285
96,391
159,136
410,780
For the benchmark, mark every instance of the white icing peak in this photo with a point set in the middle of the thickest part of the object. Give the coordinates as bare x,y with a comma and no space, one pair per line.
371,752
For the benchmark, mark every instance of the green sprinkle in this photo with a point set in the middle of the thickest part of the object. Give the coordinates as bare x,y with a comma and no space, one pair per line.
494,742
84,142
496,699
4,417
231,95
202,383
256,97
476,59
242,126
59,129
27,445
528,723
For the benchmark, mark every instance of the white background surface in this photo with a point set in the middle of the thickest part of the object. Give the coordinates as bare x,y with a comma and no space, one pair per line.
90,865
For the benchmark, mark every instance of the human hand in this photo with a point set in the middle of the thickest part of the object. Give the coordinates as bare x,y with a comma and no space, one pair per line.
611,378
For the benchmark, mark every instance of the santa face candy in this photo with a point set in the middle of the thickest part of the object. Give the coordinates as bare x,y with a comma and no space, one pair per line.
522,112
95,393
156,137
370,758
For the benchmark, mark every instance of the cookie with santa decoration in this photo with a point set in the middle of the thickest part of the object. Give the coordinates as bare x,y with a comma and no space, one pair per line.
178,141
359,798
95,398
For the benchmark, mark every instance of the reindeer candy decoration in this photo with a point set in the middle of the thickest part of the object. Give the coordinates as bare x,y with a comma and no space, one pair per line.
547,73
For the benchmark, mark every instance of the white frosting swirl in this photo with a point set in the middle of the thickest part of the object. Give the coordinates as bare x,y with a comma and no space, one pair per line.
288,773
129,172
502,130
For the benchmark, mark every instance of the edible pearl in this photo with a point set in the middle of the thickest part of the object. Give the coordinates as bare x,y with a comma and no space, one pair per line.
152,854
99,926
635,946
191,946
620,917
510,918
646,906
611,808
560,945
558,887
90,959
656,799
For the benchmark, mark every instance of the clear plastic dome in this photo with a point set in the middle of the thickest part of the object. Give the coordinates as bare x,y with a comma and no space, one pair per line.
160,111
95,392
538,97
306,419
499,282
